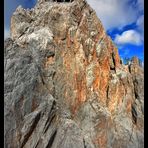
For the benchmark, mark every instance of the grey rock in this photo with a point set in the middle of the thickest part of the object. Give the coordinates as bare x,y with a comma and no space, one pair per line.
65,86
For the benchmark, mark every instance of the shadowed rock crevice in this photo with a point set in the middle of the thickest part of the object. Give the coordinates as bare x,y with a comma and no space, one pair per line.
134,114
113,65
84,144
33,126
135,91
51,117
50,142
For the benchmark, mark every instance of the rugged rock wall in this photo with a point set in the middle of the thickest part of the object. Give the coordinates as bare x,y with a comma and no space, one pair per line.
64,84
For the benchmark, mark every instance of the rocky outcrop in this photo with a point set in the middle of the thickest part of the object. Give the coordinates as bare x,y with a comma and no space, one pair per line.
64,84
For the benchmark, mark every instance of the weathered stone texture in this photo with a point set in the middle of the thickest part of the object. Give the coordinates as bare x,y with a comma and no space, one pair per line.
64,84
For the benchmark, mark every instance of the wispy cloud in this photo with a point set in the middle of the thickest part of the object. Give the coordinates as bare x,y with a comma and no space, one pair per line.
140,5
129,37
117,13
140,21
140,26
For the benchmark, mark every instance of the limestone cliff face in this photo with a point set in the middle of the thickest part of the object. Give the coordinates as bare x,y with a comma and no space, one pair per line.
64,84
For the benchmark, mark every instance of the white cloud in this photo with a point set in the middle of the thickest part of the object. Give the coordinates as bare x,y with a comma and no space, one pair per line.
129,37
140,26
140,23
6,33
116,13
140,5
140,20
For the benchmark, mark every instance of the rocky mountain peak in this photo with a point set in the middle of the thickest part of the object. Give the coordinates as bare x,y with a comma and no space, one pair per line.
64,83
135,61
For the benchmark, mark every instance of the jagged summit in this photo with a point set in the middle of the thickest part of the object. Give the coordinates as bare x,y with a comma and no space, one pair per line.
65,86
61,1
58,1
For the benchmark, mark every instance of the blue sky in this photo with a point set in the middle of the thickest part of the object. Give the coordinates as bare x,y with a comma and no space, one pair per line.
122,19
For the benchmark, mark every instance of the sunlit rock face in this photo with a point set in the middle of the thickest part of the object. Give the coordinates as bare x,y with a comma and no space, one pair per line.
64,84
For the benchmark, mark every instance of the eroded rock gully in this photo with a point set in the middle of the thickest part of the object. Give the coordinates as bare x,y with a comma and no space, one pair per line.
64,84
